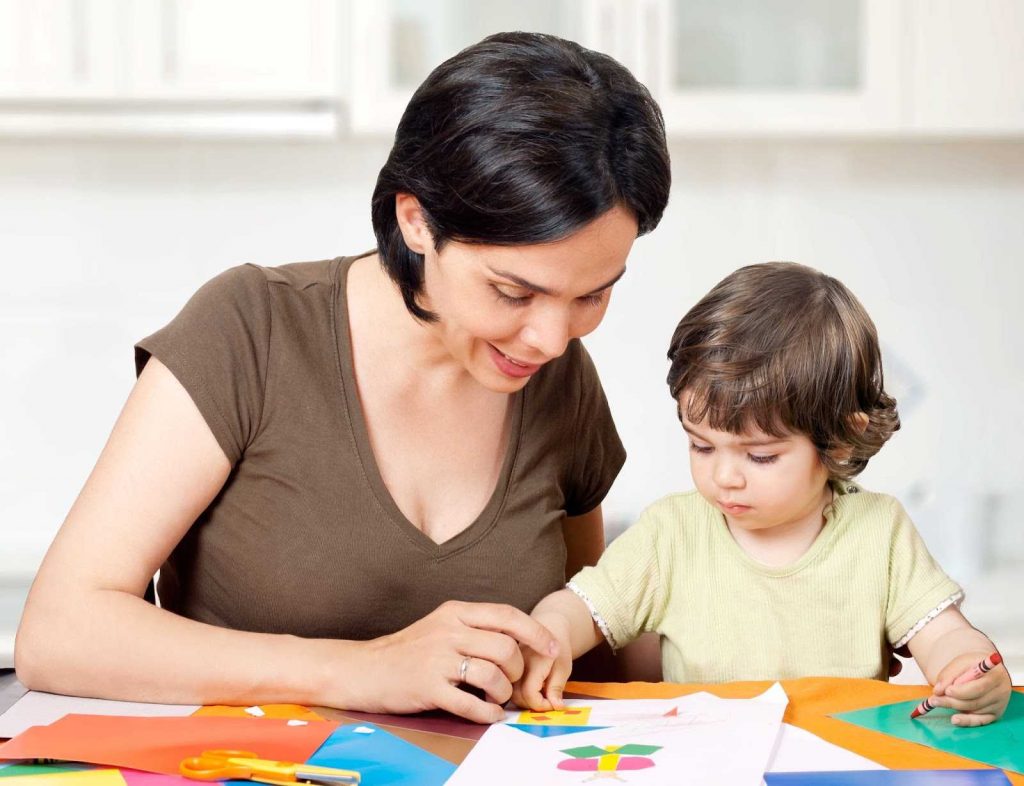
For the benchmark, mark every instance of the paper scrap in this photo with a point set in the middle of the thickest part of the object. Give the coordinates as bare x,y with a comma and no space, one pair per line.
159,744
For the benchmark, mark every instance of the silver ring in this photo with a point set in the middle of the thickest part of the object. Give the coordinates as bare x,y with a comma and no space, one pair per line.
463,668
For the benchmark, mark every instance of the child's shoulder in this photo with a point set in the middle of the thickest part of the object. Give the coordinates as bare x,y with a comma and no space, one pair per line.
666,514
853,502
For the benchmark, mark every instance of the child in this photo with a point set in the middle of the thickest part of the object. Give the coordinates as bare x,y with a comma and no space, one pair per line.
778,566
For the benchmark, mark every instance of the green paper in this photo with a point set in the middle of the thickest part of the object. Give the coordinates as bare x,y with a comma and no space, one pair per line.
39,769
1000,744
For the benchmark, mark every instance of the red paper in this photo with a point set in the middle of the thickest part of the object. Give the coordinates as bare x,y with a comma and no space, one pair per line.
159,744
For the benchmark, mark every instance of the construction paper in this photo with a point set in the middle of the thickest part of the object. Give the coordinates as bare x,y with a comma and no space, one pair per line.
285,711
382,759
140,778
36,708
159,744
105,777
570,716
434,722
1000,744
543,730
597,712
29,768
889,778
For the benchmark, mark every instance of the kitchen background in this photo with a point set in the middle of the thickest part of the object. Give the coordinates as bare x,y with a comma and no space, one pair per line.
146,145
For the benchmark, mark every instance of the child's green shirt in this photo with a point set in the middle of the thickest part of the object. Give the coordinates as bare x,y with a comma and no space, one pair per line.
866,580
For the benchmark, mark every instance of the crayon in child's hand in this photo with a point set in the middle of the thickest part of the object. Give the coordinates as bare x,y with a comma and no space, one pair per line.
984,667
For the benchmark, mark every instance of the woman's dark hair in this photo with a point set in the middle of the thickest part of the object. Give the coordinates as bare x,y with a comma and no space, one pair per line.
521,138
785,348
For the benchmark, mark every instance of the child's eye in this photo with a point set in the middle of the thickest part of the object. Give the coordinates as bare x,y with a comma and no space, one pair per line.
702,449
761,459
512,300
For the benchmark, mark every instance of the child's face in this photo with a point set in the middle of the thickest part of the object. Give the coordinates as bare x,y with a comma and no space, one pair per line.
757,480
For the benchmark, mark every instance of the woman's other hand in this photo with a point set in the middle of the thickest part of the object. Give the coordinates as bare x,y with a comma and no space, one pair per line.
421,667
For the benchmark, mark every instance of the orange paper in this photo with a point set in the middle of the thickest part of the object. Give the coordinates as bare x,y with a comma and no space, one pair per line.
286,711
159,744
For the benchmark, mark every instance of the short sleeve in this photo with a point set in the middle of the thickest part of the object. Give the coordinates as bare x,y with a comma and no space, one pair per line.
217,348
626,590
918,587
597,454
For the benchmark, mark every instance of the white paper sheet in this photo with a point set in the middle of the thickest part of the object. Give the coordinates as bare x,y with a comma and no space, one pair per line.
41,709
719,742
800,751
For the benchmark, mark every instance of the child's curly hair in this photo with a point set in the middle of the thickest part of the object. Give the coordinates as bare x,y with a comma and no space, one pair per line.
786,348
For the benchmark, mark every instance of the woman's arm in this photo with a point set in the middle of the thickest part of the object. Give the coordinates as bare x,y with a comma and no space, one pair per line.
947,647
584,540
87,631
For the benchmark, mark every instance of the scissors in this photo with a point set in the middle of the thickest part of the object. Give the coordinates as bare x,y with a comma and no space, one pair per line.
242,765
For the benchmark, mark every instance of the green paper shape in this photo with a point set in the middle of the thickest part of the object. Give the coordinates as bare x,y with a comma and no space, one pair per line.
632,749
586,752
1000,744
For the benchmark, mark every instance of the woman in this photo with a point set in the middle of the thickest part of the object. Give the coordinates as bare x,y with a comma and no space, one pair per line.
353,475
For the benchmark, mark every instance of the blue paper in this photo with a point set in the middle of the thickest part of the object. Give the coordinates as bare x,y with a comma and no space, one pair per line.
889,778
382,759
540,730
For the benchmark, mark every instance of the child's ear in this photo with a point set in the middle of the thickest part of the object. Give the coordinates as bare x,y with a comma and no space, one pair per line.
412,223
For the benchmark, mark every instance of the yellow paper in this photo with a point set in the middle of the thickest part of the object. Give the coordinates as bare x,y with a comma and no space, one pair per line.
104,777
570,716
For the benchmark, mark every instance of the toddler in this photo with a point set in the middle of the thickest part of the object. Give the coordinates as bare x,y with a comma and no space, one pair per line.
779,565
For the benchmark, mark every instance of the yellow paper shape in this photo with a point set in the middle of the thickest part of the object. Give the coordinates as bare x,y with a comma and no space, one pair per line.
105,777
280,711
570,716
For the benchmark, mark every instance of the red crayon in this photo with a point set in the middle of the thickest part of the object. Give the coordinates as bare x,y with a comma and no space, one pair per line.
984,667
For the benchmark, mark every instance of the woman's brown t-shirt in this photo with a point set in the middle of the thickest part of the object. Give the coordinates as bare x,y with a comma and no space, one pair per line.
304,538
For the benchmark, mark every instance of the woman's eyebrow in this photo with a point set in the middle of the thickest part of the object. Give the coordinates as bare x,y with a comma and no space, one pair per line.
522,282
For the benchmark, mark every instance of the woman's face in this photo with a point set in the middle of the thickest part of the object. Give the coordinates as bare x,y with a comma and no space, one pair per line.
505,311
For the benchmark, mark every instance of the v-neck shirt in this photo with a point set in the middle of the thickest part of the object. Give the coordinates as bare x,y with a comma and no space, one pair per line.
304,537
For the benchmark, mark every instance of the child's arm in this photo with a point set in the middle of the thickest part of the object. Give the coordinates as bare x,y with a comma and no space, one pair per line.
947,647
544,678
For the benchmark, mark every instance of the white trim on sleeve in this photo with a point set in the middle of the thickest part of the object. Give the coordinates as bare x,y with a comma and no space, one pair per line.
598,619
956,598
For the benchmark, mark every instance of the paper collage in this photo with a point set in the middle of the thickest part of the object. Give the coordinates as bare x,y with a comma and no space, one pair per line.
687,740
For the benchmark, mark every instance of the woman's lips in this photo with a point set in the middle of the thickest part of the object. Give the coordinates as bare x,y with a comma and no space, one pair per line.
510,367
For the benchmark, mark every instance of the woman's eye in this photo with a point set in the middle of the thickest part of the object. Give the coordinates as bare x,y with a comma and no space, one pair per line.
761,459
514,300
593,300
702,449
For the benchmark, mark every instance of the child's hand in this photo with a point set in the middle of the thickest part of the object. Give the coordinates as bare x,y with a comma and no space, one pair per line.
977,702
544,677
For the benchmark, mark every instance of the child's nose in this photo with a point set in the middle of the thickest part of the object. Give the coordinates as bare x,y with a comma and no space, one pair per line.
727,474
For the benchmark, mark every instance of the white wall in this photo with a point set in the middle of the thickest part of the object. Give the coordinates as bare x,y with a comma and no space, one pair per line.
102,242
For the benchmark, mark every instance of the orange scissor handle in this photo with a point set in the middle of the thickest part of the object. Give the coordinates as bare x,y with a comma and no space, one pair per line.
218,765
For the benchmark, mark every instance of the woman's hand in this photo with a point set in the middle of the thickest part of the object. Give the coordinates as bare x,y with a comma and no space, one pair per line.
977,702
420,667
544,676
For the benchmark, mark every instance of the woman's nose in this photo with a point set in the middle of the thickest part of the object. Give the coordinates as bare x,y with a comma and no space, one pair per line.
548,332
